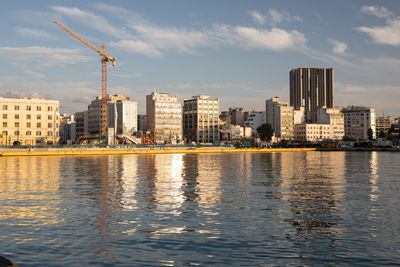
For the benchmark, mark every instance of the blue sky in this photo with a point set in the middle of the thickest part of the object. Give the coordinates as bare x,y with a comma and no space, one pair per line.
238,51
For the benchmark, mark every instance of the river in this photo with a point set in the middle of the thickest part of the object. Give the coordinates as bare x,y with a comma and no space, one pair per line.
250,209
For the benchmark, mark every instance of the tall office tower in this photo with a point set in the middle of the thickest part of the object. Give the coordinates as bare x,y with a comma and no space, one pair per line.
201,119
164,117
311,88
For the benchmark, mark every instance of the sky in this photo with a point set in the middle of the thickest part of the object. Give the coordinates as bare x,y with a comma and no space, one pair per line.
238,51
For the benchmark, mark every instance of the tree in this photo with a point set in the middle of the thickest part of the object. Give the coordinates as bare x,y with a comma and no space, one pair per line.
370,134
265,131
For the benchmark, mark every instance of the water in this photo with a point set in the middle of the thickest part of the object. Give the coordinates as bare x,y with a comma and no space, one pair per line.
295,209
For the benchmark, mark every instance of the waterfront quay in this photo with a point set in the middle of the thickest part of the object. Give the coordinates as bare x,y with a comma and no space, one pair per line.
87,151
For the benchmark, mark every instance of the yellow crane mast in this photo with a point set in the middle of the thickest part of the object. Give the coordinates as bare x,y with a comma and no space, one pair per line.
105,59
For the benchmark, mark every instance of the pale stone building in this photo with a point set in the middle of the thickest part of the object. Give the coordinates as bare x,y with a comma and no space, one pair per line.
281,117
383,124
333,117
357,121
255,120
164,117
313,132
201,119
29,121
122,116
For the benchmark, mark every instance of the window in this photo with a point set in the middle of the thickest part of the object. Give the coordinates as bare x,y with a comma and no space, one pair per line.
49,125
5,107
5,133
16,124
49,108
28,133
16,116
16,133
49,133
4,116
38,108
4,124
38,117
28,125
28,108
28,116
50,117
16,107
38,125
38,133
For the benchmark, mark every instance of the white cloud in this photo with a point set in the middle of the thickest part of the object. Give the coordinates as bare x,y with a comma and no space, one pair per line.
33,33
338,47
34,74
9,93
42,56
139,47
388,34
257,17
380,12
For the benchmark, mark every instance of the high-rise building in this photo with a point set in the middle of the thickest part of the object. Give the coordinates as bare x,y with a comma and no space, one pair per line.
357,121
164,117
201,119
311,88
29,121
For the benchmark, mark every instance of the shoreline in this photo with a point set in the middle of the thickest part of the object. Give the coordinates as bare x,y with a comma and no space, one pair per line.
162,150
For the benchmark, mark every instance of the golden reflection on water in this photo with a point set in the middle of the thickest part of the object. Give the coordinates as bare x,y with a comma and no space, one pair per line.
373,163
29,182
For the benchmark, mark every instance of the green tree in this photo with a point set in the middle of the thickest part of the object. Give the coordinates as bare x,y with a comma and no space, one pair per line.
370,134
265,131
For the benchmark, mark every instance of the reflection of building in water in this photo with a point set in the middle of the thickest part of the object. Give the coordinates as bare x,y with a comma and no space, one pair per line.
209,178
129,169
313,183
169,181
33,183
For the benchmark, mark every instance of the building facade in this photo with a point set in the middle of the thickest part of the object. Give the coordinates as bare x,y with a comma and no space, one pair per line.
164,117
311,88
281,117
29,121
67,129
201,119
357,121
94,112
383,125
122,116
255,120
312,132
335,118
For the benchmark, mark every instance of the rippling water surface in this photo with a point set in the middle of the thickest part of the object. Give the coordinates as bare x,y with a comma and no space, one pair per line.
311,208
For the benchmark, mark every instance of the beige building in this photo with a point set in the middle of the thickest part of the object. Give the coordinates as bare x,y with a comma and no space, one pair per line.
29,121
164,117
311,88
201,119
333,117
357,121
94,112
282,118
313,131
383,124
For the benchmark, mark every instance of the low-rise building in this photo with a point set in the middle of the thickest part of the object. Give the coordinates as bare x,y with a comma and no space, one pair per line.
333,117
122,116
312,132
383,125
67,129
255,120
29,121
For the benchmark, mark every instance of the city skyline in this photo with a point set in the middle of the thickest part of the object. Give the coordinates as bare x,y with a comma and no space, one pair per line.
239,52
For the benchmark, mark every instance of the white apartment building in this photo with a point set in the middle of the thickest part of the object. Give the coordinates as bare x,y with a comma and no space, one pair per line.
357,121
333,117
255,120
312,132
122,116
201,119
164,117
29,121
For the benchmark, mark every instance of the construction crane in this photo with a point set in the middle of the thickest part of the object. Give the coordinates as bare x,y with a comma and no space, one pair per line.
104,60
